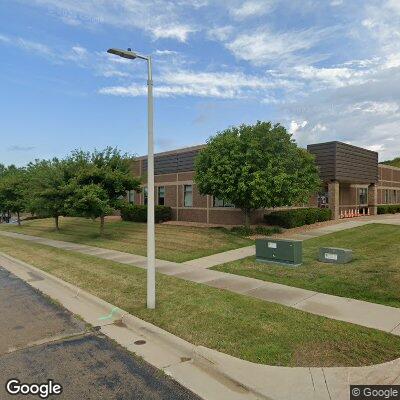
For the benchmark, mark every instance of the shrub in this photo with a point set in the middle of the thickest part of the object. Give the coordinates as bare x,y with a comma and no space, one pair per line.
267,230
389,209
298,217
258,230
138,213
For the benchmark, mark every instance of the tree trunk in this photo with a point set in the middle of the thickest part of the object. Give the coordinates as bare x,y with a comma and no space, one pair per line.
18,219
247,213
102,225
57,223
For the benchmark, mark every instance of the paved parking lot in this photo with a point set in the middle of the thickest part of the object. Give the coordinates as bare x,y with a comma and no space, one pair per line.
40,341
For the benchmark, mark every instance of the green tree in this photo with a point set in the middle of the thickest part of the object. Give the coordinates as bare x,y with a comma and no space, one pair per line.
256,166
49,187
13,191
102,180
90,201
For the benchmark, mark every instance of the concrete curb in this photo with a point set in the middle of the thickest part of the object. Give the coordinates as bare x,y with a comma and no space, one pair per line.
140,329
246,378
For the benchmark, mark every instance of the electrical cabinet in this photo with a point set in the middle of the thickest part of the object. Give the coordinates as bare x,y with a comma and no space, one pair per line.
335,255
279,251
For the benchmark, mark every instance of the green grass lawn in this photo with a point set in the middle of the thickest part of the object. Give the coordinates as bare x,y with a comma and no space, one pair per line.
373,275
173,243
248,328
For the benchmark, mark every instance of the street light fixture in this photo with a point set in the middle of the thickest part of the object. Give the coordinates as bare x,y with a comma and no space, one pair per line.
151,245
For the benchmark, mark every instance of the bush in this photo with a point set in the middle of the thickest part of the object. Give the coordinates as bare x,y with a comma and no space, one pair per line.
258,230
298,217
138,213
267,230
389,209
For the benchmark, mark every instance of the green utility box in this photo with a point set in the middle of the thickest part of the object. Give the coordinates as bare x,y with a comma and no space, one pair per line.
279,251
335,255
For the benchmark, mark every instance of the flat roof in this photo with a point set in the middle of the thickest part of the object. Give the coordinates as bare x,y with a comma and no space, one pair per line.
177,151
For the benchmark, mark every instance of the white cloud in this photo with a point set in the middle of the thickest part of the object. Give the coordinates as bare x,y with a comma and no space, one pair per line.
251,8
77,54
175,82
17,147
34,47
295,126
165,52
265,46
335,77
109,73
158,18
375,147
374,107
221,33
4,39
319,128
180,32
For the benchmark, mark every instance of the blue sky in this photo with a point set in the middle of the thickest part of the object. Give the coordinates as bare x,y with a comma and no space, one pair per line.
327,70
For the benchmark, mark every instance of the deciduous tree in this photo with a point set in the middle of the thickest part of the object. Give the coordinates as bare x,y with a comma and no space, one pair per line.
49,189
256,166
102,180
13,191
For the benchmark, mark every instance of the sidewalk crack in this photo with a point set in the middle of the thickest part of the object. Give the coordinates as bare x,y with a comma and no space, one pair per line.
326,384
307,298
397,326
312,379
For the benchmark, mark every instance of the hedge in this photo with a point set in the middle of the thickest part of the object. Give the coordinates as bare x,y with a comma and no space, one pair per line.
258,230
389,209
298,217
138,213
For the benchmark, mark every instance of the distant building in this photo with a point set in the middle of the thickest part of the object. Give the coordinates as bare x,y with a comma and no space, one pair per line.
353,180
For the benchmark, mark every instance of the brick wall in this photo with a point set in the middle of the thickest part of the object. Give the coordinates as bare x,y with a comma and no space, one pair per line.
388,185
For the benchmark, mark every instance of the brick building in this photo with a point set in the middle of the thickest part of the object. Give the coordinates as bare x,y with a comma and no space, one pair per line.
352,179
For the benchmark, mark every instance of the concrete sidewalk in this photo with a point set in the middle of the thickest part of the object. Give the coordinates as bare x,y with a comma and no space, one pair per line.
371,315
238,254
210,374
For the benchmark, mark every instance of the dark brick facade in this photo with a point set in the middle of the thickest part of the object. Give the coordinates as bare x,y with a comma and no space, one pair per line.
178,167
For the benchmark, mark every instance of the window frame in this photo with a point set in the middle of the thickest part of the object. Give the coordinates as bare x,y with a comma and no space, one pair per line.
361,193
158,195
131,196
145,196
186,192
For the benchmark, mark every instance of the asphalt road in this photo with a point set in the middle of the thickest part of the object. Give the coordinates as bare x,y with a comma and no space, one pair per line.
39,340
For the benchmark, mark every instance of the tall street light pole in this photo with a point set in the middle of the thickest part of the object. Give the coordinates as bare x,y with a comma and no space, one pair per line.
151,244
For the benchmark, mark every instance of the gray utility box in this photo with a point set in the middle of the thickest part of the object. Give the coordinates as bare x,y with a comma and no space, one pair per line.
279,251
335,255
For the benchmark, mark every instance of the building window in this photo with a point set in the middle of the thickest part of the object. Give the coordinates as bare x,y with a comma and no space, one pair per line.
363,196
161,195
188,195
131,196
386,196
145,196
221,203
